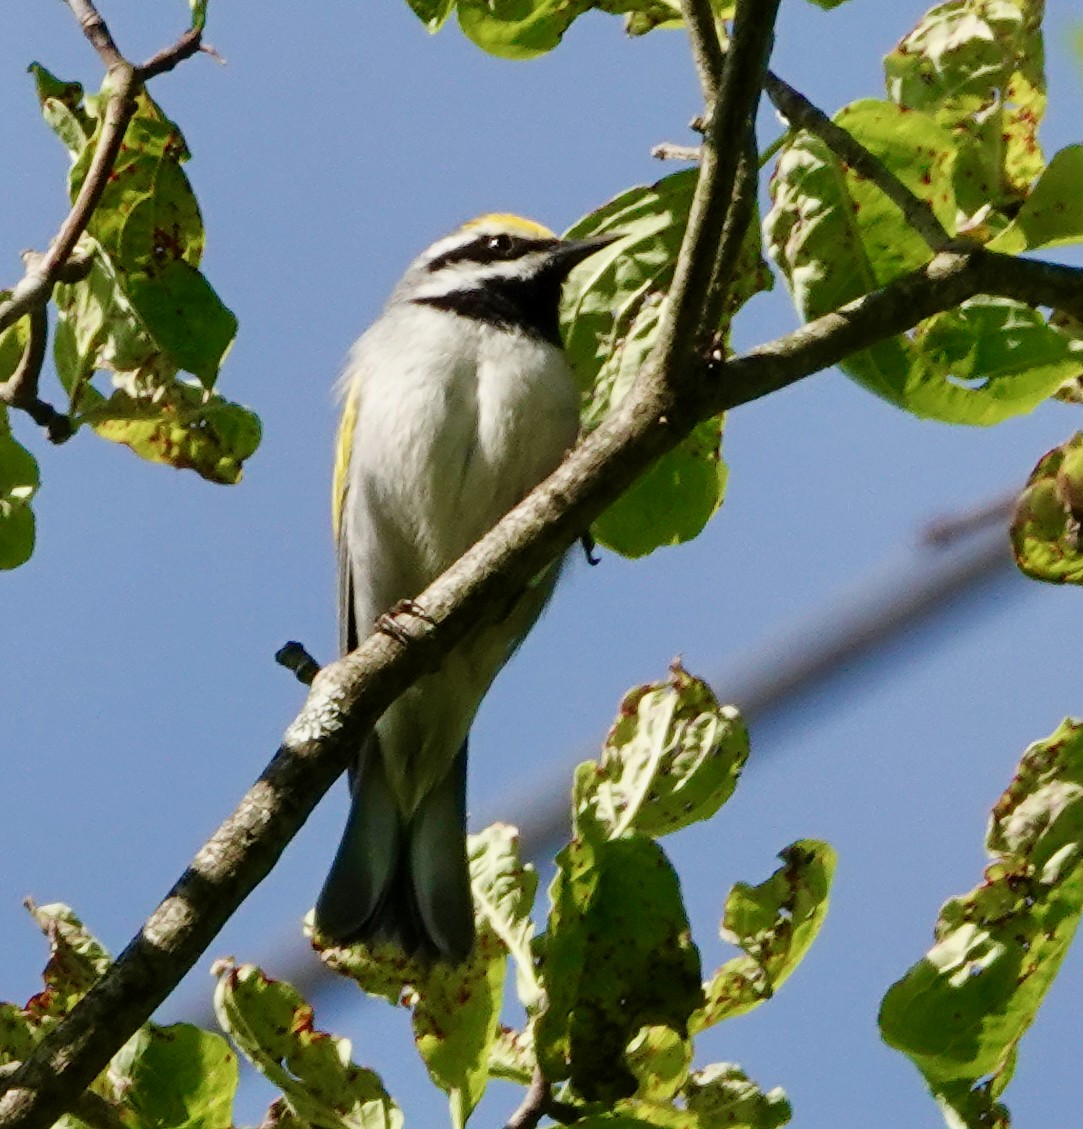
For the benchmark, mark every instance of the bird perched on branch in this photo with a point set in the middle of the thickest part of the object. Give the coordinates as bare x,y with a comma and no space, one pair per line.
457,402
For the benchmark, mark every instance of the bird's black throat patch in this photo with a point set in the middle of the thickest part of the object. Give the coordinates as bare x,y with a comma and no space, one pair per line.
530,305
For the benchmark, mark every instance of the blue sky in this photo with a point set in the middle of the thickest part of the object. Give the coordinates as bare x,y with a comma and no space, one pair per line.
140,696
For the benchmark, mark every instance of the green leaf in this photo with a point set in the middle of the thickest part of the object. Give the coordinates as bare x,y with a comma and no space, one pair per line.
835,235
76,958
672,501
162,419
432,13
503,888
610,315
273,1028
13,342
76,961
63,109
19,481
177,1076
98,329
147,238
672,758
774,923
722,1094
1047,536
837,239
457,1010
511,1056
1052,213
660,1059
182,425
960,1013
199,13
617,957
978,67
518,29
180,309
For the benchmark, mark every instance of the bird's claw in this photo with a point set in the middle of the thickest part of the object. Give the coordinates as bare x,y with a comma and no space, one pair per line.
388,622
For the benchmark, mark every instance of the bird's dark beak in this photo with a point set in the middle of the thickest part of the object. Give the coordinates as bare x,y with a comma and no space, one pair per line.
569,253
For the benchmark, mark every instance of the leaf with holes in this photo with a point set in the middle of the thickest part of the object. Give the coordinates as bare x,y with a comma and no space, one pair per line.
960,1012
774,923
977,66
671,758
616,958
274,1029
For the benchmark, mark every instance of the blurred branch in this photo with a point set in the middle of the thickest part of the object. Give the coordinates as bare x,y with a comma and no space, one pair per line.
43,272
948,529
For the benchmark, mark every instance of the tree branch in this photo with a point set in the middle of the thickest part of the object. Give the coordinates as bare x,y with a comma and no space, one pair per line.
539,1102
693,306
20,390
43,272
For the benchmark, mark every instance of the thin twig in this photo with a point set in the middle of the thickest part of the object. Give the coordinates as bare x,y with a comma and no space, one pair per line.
801,113
539,1102
294,657
670,151
189,44
708,53
740,215
95,29
532,1108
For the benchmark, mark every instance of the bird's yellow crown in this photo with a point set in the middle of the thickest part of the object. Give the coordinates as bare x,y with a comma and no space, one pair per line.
506,221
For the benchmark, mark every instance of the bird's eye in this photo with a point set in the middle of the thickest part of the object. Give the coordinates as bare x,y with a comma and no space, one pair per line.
502,245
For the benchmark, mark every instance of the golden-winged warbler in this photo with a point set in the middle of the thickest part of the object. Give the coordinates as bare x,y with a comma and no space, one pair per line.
456,403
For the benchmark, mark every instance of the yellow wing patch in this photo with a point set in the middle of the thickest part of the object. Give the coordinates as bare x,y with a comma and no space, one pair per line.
343,447
505,221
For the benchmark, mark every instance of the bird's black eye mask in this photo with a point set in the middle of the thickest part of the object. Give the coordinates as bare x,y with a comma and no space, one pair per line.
498,248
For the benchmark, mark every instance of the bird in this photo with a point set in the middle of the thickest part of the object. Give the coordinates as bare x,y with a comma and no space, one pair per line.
456,402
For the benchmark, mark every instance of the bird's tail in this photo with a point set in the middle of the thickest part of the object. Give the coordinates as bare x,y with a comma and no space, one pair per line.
406,882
